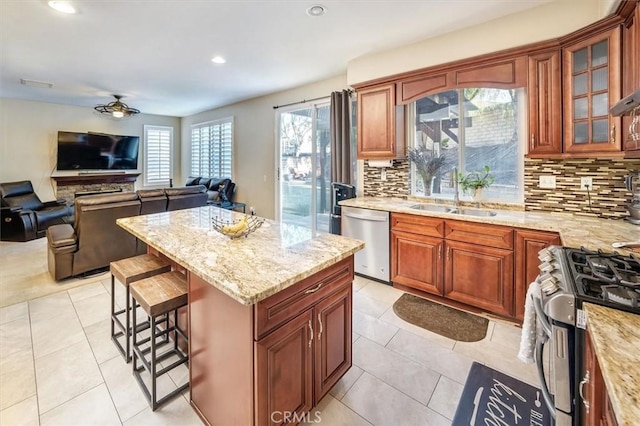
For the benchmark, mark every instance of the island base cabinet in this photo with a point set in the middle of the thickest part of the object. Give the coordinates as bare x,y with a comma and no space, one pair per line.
479,276
284,372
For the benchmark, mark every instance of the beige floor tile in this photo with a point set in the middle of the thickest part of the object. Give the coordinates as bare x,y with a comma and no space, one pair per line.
24,413
65,374
354,336
345,383
381,404
48,307
382,292
14,312
405,375
15,336
359,282
331,412
180,374
93,407
87,290
93,309
99,336
373,328
445,397
123,387
175,412
433,356
52,334
17,378
392,318
370,306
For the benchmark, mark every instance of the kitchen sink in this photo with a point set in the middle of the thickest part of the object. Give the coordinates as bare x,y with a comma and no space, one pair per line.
474,212
432,208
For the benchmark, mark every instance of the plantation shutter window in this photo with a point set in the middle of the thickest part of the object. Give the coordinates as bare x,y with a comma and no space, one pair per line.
212,148
158,144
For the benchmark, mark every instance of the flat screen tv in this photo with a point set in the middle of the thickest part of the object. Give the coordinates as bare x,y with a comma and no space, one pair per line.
97,151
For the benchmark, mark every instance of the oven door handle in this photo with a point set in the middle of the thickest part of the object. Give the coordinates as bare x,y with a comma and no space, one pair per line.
546,395
542,317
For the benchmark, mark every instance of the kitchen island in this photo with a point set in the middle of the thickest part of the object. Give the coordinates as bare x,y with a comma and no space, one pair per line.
269,315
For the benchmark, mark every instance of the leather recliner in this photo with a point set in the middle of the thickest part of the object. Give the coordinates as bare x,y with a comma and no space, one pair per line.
24,216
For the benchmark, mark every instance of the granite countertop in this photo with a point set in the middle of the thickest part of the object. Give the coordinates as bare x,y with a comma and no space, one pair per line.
575,231
616,339
249,269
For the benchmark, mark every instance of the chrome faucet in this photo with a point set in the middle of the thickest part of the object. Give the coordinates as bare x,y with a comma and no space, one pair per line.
456,195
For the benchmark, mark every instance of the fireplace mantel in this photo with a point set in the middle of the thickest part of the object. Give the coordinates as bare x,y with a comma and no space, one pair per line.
92,178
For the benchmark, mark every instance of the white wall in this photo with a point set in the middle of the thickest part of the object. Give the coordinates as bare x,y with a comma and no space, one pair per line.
29,132
545,22
254,140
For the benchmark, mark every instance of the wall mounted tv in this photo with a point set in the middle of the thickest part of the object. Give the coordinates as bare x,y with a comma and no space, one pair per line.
97,151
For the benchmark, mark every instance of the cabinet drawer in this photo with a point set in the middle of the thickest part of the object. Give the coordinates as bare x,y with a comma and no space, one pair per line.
483,234
283,306
428,226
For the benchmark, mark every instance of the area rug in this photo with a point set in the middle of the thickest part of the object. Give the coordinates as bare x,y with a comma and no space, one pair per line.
490,397
443,320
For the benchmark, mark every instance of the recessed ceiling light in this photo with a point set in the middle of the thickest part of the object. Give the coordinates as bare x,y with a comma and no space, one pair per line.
62,6
316,10
218,60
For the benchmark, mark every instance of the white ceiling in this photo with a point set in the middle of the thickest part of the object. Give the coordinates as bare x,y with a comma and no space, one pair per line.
157,53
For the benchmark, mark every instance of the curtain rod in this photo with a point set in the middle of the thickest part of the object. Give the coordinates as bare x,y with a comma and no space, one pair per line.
304,101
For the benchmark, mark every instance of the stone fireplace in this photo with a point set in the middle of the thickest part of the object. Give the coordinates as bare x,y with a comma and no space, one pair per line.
68,187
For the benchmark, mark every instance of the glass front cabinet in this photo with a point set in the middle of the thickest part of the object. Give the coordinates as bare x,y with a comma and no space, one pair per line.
591,77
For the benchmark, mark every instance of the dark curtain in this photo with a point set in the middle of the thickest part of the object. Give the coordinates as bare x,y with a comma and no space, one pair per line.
340,127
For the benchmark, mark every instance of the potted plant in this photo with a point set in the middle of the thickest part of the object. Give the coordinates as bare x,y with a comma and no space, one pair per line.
428,164
475,182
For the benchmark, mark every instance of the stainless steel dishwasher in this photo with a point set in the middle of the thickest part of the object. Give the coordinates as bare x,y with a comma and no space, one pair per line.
372,227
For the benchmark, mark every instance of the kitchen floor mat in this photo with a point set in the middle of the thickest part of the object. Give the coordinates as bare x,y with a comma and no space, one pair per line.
490,397
449,322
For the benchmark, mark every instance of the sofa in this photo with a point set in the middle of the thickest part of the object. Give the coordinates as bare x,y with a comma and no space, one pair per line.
24,216
218,189
95,240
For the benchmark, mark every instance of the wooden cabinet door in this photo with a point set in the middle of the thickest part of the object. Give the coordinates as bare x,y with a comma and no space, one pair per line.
545,103
333,340
591,386
416,261
479,276
284,371
376,122
630,75
591,77
528,244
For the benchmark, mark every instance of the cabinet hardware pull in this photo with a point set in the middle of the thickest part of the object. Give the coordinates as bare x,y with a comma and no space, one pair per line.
320,321
583,382
311,330
313,290
440,252
613,133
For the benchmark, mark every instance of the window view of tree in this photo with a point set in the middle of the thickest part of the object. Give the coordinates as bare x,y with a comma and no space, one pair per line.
472,128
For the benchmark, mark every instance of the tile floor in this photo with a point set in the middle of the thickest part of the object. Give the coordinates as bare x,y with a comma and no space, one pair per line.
58,366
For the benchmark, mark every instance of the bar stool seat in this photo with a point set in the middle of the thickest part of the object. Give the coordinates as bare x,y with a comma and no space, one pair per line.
159,296
128,271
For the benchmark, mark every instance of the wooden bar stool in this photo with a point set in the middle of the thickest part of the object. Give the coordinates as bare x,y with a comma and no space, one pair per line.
159,295
128,271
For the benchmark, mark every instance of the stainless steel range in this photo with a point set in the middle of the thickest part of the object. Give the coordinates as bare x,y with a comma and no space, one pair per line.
569,277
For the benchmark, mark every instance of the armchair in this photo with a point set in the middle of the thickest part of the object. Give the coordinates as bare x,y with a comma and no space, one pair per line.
24,216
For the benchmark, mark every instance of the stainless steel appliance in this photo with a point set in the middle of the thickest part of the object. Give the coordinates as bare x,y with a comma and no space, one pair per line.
568,278
339,192
632,182
372,227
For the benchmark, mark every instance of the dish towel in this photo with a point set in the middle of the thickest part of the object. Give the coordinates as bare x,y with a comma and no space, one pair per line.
530,327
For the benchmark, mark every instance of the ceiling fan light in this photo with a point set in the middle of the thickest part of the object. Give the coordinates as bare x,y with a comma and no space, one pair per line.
118,114
117,109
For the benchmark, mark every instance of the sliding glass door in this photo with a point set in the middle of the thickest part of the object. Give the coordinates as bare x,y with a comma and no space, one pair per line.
304,166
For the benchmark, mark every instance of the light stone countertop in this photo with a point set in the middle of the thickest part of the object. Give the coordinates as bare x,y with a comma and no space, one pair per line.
575,231
249,269
616,340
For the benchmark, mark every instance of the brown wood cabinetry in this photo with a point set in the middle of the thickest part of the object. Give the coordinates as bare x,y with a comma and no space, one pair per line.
594,402
417,261
272,362
377,123
591,84
630,73
528,244
545,103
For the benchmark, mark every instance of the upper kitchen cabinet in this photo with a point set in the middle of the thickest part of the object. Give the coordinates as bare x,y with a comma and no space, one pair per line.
591,85
545,103
378,123
630,73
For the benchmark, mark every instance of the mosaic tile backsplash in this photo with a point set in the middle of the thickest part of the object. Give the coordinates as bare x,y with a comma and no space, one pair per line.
608,198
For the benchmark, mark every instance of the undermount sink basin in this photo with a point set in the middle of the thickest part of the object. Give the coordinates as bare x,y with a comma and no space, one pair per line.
432,208
474,212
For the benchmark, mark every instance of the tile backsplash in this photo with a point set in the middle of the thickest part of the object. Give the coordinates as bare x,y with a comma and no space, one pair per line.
608,198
